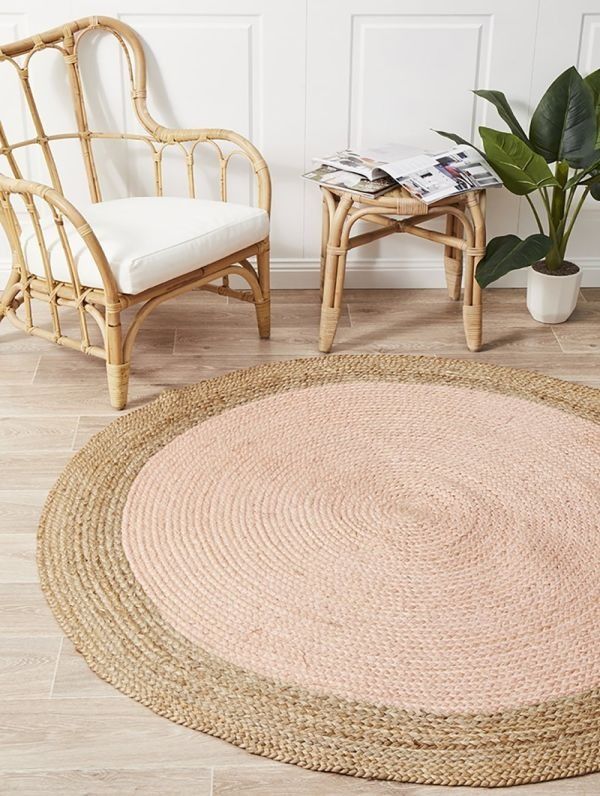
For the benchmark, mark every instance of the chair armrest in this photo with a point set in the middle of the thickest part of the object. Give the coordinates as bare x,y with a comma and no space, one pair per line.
61,208
169,135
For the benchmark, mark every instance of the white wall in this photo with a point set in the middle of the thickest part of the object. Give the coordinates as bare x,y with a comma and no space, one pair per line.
302,77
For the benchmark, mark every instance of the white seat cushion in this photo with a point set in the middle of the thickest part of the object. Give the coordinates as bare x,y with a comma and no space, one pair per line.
149,240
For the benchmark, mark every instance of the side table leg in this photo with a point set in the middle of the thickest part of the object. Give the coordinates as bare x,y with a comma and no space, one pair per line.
453,261
472,306
333,278
324,238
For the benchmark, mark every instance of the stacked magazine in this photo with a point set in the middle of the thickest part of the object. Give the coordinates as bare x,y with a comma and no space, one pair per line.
428,177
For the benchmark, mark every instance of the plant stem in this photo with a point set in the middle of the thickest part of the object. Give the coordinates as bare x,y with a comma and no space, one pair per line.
572,220
553,258
546,201
535,213
570,197
561,172
559,218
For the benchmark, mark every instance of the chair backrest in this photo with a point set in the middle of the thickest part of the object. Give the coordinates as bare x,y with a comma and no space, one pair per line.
67,41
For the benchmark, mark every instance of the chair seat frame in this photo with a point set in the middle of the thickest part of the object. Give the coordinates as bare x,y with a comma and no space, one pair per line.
105,305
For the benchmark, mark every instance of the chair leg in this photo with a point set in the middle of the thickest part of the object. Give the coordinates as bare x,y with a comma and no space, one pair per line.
8,294
118,384
117,371
263,308
263,319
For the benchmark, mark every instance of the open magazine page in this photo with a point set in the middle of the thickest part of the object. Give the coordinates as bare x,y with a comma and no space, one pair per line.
327,175
370,163
434,177
349,160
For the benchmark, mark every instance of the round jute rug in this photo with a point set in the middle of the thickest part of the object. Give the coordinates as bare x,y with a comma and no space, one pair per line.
383,566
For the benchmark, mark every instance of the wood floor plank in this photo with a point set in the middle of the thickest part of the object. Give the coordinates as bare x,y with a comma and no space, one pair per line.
581,333
27,667
17,368
58,734
88,426
280,781
288,296
284,314
284,342
435,333
33,469
117,782
17,558
288,340
20,509
427,297
25,612
156,368
74,678
190,368
37,433
13,341
591,293
89,395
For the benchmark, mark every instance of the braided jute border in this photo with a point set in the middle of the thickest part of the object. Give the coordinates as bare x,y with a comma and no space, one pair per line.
103,609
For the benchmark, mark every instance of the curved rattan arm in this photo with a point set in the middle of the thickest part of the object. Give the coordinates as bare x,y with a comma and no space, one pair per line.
61,208
172,135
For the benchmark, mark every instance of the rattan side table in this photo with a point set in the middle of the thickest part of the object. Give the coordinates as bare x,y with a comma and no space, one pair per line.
398,211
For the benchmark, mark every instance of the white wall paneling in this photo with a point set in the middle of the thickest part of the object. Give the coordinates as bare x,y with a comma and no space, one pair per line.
303,77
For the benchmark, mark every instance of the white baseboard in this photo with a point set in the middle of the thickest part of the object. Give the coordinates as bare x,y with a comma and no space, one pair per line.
299,274
304,274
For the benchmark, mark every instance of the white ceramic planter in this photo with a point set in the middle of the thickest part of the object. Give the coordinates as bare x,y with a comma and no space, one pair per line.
552,299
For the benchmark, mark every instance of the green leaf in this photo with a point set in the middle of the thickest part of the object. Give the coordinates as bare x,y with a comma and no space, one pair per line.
458,140
509,253
593,81
520,169
593,181
563,126
499,101
590,179
582,177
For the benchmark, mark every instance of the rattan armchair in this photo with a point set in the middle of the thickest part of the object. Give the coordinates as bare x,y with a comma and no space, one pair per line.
48,266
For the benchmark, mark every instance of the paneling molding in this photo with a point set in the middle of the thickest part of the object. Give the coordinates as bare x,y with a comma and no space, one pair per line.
368,29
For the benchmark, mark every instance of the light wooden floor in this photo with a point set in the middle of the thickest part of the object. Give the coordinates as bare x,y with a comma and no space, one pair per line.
64,731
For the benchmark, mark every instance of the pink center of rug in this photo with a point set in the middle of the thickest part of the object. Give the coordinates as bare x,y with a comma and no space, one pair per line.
418,546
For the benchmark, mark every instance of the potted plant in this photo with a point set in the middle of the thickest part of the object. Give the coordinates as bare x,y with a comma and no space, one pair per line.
559,159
